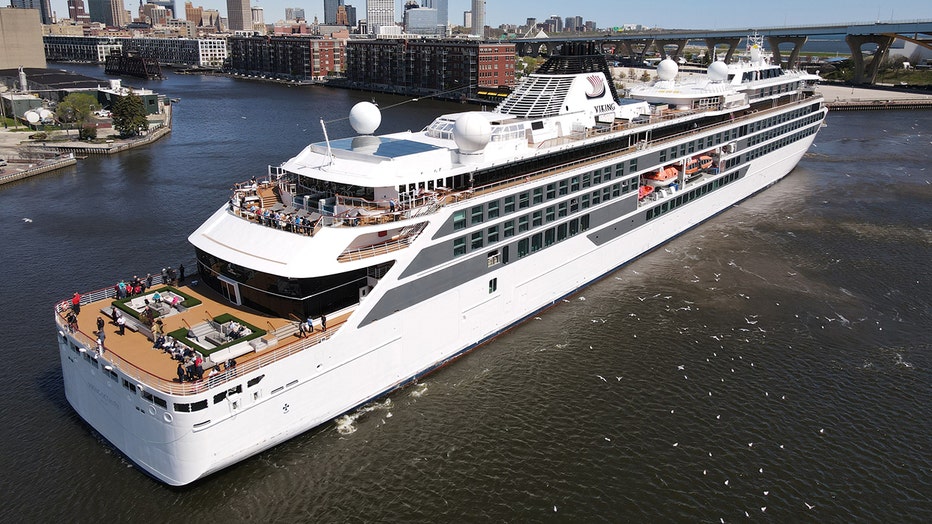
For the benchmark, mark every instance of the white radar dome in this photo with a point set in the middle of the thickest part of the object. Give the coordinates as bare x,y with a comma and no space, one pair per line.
365,118
718,71
755,53
667,69
471,132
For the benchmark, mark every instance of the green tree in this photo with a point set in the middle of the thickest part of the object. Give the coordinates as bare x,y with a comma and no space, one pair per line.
77,107
129,115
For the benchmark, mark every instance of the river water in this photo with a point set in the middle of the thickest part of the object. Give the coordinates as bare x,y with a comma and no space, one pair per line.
772,363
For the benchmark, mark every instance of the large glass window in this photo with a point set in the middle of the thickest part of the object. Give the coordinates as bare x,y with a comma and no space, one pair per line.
476,215
493,209
459,219
459,246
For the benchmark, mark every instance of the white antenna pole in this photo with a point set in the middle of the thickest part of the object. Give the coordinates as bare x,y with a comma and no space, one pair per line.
327,139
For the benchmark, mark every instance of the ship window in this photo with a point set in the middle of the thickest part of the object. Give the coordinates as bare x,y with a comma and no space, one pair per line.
564,187
584,222
129,385
459,246
253,381
476,215
550,214
492,234
561,232
585,201
574,226
561,209
596,177
663,156
459,220
596,197
574,205
112,374
607,193
475,241
523,200
551,191
522,248
494,258
616,190
509,204
537,219
493,285
509,228
219,397
522,224
549,237
586,179
574,184
493,209
538,195
633,165
536,242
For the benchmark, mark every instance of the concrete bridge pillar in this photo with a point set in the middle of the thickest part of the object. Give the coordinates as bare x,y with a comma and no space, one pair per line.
662,44
732,44
867,73
797,41
637,48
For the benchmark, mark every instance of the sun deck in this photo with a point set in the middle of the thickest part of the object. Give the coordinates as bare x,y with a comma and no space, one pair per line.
133,352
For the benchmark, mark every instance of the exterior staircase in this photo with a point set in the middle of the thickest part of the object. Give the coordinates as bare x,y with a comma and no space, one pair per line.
267,196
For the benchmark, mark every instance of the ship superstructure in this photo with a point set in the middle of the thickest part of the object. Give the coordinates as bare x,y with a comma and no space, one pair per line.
415,247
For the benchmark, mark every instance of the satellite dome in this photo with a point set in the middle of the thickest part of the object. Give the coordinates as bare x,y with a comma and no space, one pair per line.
471,132
32,117
365,118
755,53
667,69
718,71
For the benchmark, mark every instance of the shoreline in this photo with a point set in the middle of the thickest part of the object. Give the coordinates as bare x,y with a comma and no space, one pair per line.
51,154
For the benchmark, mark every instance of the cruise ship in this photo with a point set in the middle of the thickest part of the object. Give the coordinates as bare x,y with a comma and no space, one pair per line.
406,250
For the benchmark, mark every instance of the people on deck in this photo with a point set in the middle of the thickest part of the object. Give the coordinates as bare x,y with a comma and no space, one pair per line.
76,303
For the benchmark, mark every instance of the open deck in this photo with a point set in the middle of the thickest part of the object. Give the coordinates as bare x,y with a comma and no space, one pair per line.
133,352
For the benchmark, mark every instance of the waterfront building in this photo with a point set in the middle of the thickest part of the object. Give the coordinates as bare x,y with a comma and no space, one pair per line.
21,38
239,15
111,13
299,58
155,14
428,66
204,52
167,4
183,28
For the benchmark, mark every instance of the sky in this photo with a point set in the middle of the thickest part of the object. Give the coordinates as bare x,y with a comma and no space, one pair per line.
704,14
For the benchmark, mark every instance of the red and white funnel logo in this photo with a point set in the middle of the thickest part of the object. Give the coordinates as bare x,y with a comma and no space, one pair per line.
597,87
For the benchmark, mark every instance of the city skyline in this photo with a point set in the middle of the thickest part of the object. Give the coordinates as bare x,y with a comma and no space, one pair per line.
713,14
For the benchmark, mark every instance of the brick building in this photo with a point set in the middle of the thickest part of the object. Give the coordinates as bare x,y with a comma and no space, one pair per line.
287,57
430,66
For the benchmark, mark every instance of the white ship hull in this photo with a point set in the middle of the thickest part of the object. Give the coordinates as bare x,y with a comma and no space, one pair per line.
360,363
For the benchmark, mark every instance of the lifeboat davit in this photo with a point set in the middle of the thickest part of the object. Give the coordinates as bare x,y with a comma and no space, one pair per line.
662,177
643,191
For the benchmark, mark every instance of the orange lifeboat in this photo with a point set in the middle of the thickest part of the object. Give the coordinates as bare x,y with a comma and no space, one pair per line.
662,177
643,191
698,163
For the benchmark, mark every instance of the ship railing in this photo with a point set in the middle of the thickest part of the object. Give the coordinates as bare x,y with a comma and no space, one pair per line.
405,238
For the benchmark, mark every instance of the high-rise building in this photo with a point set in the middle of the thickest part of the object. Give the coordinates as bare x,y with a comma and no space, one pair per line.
350,15
193,14
478,18
258,19
442,7
380,13
422,21
330,11
342,19
167,4
44,7
108,12
239,15
77,12
295,13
